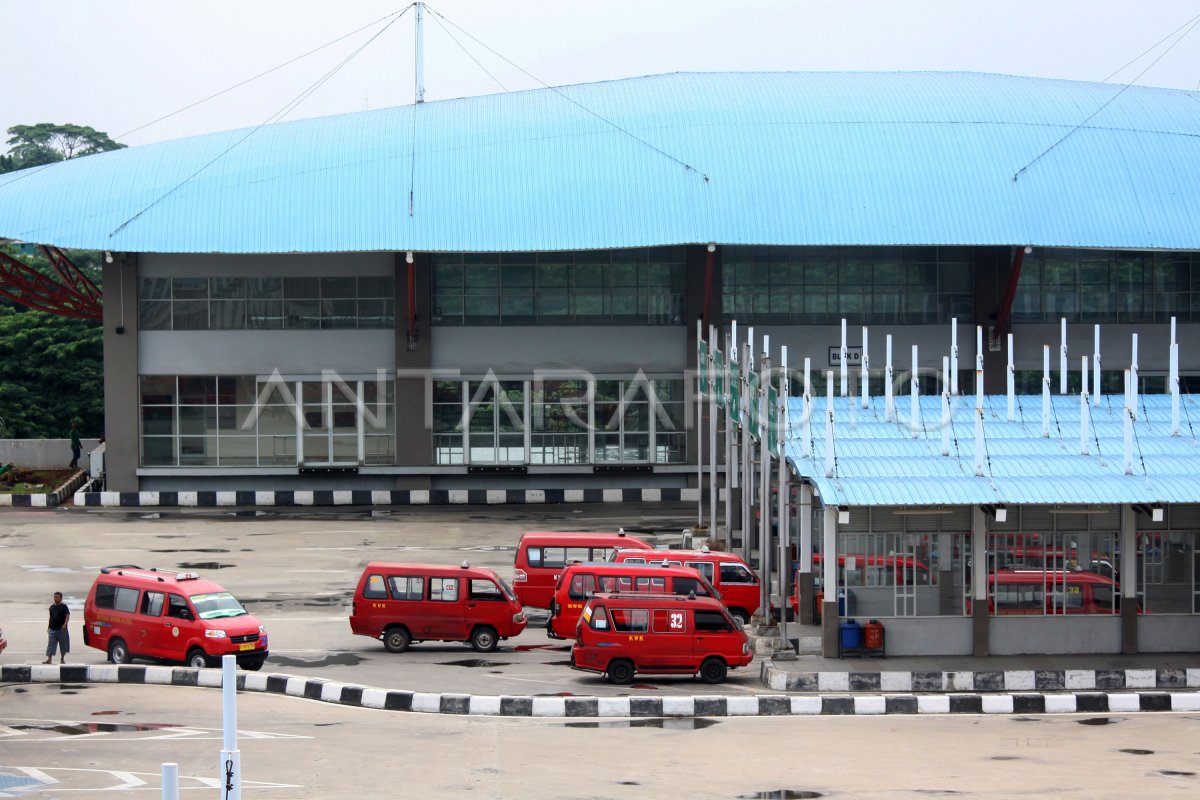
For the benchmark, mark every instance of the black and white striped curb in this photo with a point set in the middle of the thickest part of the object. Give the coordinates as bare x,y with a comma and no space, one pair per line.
46,499
364,497
1040,680
764,705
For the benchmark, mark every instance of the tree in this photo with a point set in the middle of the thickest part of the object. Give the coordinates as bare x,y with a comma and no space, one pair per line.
46,143
53,374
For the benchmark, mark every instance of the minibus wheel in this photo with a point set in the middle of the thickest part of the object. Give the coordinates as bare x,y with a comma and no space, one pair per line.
713,670
740,615
620,671
196,659
396,639
484,639
118,653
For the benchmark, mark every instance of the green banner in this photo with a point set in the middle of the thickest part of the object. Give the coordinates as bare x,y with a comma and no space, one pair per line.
702,366
753,418
773,419
719,378
733,399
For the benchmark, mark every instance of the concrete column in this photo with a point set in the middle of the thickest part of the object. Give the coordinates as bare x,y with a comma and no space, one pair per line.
1129,580
979,605
947,591
122,392
414,439
804,577
829,610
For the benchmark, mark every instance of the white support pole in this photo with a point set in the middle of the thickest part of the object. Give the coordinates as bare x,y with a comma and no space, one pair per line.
231,758
1096,369
829,464
954,357
1127,413
1173,381
914,404
866,389
947,422
712,432
804,554
806,420
170,781
1062,360
785,535
1045,391
843,367
764,481
1011,382
829,557
731,470
747,452
1133,378
978,347
979,451
701,372
1083,406
889,400
420,54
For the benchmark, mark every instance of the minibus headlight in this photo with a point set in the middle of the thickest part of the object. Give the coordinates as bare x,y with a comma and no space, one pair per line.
211,633
262,628
745,647
519,616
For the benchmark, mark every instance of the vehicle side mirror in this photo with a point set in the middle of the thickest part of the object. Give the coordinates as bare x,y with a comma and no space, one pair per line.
185,613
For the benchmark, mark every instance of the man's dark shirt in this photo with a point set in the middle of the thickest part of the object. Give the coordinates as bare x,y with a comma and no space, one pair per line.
58,615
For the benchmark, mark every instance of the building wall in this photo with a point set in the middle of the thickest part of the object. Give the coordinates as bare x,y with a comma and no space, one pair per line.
1049,636
262,352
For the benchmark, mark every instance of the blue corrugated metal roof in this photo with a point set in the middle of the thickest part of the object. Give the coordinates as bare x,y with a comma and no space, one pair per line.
790,159
881,463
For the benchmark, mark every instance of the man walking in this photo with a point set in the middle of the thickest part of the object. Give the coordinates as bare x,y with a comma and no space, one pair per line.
59,635
76,446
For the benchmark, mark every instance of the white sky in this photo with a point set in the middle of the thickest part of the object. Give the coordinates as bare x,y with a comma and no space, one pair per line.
119,64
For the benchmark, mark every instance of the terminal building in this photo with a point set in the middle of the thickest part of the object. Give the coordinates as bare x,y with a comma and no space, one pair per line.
503,293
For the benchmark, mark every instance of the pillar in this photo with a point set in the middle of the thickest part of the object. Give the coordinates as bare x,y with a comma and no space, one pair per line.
804,577
1129,580
829,569
979,585
414,436
122,391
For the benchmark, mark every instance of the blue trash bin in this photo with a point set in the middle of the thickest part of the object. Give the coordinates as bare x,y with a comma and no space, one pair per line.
850,636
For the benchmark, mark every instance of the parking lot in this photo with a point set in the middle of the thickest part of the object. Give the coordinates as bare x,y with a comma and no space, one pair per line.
297,573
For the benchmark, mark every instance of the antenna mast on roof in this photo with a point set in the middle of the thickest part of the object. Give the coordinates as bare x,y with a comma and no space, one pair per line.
420,53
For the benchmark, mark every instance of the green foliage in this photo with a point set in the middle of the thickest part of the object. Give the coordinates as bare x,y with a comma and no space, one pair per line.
53,373
46,143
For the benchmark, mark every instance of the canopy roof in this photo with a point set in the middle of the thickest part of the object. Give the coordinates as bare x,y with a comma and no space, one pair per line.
731,158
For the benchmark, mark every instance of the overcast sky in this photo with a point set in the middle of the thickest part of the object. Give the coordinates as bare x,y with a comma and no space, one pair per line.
119,64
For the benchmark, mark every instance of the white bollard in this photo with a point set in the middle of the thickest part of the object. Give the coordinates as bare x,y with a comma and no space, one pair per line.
170,781
230,770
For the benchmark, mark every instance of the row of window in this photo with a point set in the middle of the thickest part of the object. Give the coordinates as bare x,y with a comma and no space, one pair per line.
606,287
570,422
237,303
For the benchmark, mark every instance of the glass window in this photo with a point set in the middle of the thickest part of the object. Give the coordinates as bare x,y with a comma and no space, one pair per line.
630,620
177,607
736,573
485,590
581,586
712,621
375,589
443,589
152,604
410,588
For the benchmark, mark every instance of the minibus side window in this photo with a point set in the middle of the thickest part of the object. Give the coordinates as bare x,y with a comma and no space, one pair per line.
444,590
126,599
1102,595
581,586
577,554
670,620
686,585
105,595
635,560
177,607
1017,595
597,618
705,568
375,588
483,589
631,620
736,573
1073,599
410,588
652,584
712,621
609,583
554,557
152,604
534,556
602,553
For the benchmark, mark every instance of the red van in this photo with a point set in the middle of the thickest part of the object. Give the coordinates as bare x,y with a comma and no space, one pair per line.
542,556
873,570
620,635
133,612
404,603
729,574
578,582
1020,591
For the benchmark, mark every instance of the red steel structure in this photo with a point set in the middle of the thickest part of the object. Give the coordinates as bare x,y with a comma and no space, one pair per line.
74,296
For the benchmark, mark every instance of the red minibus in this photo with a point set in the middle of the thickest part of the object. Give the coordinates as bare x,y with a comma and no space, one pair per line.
542,556
1020,591
873,570
728,573
619,635
133,612
404,603
578,582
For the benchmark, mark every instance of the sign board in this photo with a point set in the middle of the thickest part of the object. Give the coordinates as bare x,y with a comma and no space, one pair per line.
853,356
752,401
772,419
719,377
703,368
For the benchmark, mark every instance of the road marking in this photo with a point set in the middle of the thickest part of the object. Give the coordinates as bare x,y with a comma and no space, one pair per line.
122,780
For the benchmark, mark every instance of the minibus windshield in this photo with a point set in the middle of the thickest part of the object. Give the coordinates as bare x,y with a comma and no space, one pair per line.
508,590
217,605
